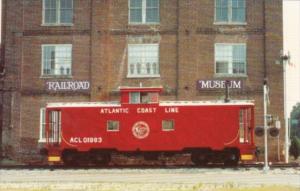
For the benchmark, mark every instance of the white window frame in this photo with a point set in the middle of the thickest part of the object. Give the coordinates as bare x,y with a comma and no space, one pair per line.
42,138
144,8
57,23
56,75
230,73
229,22
135,75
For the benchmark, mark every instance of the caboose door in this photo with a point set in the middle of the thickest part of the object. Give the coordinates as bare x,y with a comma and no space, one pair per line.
245,125
54,131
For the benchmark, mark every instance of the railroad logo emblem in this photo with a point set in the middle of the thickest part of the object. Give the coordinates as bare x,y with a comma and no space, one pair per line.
140,130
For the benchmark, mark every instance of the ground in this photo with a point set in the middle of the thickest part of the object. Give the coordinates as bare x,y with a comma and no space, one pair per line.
177,179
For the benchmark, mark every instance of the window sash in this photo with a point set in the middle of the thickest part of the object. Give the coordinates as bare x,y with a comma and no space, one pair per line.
57,60
230,59
143,11
58,11
143,60
230,11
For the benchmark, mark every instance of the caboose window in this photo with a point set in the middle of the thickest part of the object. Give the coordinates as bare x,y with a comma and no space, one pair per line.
135,97
168,125
113,125
143,97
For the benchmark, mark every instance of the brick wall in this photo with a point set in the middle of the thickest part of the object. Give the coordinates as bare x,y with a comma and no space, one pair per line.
100,36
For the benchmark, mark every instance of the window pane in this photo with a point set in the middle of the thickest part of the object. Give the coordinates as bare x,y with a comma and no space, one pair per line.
50,16
238,14
222,10
152,15
143,59
134,97
66,16
113,125
50,11
222,67
48,59
167,125
66,4
66,11
152,3
136,15
50,4
238,10
239,58
57,60
136,3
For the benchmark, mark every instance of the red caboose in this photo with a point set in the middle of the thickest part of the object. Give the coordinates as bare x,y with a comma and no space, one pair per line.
141,124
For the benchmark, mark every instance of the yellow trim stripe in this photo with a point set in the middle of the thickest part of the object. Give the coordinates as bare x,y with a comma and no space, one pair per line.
247,157
53,158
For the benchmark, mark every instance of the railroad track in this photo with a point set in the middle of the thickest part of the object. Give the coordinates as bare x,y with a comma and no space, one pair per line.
57,167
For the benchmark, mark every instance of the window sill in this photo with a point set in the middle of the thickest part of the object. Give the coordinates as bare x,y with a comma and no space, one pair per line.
42,141
56,76
143,76
57,25
231,75
132,24
230,23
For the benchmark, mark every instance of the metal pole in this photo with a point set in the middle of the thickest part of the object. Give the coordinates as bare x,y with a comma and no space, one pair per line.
266,166
286,144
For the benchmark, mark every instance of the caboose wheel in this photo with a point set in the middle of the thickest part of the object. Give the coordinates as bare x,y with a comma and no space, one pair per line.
200,159
69,157
100,158
231,158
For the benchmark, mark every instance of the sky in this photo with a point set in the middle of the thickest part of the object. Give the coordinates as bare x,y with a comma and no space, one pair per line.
291,32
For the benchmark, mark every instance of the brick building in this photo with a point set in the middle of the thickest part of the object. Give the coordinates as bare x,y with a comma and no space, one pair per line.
83,50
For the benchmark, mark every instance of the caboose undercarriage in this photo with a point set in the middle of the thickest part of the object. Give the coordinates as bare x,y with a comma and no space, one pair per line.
99,157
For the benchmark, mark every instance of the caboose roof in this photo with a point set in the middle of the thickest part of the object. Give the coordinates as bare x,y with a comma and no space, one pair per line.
161,103
140,89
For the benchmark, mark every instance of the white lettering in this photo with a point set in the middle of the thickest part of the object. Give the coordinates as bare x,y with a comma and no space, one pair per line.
114,110
146,110
171,110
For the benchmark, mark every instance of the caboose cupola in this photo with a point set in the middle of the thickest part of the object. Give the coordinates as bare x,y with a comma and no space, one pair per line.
140,95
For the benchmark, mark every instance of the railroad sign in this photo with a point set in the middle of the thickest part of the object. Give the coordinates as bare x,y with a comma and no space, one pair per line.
67,85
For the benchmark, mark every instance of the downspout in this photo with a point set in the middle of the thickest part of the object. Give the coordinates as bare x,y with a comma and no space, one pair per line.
177,52
2,70
3,34
264,41
91,48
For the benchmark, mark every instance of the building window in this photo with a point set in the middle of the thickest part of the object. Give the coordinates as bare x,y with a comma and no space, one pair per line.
58,12
42,125
113,125
56,60
230,11
168,125
230,59
144,11
143,60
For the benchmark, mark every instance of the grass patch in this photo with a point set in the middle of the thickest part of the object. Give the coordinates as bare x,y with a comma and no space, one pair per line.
260,188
